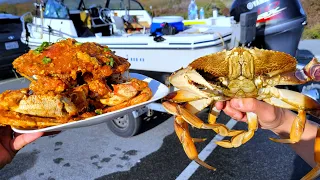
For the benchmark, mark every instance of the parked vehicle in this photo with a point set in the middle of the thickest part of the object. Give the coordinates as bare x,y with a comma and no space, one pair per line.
11,46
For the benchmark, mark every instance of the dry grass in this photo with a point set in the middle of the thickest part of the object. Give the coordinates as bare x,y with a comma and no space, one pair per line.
312,9
17,9
180,8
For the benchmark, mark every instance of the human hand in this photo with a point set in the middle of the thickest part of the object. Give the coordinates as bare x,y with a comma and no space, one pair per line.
11,143
269,117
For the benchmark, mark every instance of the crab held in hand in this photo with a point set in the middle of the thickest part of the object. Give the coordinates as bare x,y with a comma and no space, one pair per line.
238,73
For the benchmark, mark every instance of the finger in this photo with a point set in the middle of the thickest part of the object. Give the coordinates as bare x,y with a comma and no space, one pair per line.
5,138
220,105
20,141
260,108
233,113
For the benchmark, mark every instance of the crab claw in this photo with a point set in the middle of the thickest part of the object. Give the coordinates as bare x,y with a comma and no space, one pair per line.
187,78
181,96
244,136
312,69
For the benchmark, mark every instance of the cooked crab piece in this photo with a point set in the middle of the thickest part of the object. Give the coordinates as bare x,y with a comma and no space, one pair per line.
25,121
127,94
239,73
79,97
99,88
11,98
44,85
67,59
38,105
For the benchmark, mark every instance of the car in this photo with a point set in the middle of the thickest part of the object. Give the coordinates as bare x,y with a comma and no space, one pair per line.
11,46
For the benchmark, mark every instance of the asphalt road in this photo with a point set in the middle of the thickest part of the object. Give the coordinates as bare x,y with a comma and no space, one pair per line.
96,153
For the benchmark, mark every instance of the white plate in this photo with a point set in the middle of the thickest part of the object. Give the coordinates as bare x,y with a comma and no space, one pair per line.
159,90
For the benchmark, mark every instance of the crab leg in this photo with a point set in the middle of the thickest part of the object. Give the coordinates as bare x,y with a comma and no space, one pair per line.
222,129
244,136
315,172
214,113
295,101
194,104
192,119
188,114
182,131
296,129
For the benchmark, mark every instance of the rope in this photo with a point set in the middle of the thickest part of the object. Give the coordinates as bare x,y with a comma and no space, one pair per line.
221,38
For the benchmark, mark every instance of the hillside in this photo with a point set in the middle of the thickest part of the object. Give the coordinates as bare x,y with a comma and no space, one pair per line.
179,7
312,8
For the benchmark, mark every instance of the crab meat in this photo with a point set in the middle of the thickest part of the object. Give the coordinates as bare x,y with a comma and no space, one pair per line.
21,101
239,73
127,94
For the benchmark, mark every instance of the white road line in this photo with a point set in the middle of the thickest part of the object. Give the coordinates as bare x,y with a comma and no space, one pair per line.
193,166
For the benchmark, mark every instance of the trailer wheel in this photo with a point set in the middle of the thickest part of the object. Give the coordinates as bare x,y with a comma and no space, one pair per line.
125,126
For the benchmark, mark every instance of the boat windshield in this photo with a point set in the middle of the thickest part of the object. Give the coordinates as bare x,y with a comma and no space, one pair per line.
77,4
122,4
112,4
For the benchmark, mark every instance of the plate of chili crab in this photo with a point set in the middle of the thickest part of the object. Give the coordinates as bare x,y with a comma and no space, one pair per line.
69,84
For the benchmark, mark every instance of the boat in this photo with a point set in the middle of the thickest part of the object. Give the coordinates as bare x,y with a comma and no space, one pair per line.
107,24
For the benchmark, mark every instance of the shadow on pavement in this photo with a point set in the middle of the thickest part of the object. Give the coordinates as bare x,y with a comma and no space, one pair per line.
153,121
21,163
301,168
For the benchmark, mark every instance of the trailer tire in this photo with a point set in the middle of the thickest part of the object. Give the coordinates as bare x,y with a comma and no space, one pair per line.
125,126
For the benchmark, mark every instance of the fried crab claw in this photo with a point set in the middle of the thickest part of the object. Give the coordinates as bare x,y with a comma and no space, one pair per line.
239,73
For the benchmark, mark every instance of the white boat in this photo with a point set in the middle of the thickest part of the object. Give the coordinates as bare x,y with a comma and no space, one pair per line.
142,51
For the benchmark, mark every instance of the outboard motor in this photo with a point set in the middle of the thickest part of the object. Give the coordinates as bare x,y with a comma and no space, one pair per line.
279,27
280,23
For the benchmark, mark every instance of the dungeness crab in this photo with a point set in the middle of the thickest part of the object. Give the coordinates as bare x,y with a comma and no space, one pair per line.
240,72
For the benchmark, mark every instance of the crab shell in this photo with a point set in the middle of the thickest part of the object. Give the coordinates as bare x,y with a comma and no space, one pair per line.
238,73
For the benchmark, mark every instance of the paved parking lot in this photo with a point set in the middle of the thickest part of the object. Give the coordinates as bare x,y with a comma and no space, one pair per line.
95,153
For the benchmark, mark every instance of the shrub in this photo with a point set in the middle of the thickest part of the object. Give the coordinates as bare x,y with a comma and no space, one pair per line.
312,32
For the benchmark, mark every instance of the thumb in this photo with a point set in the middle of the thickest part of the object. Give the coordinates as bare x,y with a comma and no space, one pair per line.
20,141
